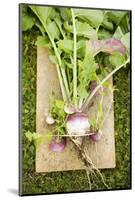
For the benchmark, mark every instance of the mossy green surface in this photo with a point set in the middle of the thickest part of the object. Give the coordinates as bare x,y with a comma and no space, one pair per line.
34,183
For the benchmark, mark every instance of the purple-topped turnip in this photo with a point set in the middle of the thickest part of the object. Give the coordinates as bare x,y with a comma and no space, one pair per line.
58,146
97,136
77,124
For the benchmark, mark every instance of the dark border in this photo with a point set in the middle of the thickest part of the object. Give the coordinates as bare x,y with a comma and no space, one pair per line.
131,99
20,101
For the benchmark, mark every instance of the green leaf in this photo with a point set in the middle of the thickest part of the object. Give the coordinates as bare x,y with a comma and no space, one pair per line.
43,12
118,33
65,13
82,91
45,15
43,41
126,40
117,59
107,25
29,136
85,30
87,70
82,29
67,61
53,30
58,113
59,24
59,104
38,139
48,136
125,23
28,21
88,64
93,17
81,46
41,28
116,16
68,27
104,34
65,45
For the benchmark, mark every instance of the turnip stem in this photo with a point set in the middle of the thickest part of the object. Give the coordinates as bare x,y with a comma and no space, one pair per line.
80,103
74,61
70,136
63,78
65,82
101,104
84,106
61,83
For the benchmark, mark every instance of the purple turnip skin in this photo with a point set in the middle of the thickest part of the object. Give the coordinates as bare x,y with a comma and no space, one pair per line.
70,109
96,137
107,46
55,146
77,124
112,45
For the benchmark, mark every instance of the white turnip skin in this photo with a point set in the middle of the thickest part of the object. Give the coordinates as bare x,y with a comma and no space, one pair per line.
50,120
96,137
77,124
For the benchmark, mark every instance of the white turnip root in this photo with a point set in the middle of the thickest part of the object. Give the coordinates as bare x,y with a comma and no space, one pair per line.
50,120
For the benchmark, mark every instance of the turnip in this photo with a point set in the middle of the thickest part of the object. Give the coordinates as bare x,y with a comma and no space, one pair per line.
77,124
50,120
57,145
97,136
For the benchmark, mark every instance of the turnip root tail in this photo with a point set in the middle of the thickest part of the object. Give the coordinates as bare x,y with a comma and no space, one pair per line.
90,167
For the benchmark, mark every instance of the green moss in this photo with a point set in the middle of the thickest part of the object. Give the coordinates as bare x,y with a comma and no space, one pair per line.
33,183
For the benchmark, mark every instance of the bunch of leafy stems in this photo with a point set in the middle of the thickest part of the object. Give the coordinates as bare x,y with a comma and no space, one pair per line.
62,74
82,104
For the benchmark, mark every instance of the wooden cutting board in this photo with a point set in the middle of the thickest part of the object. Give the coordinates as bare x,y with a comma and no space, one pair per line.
101,153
